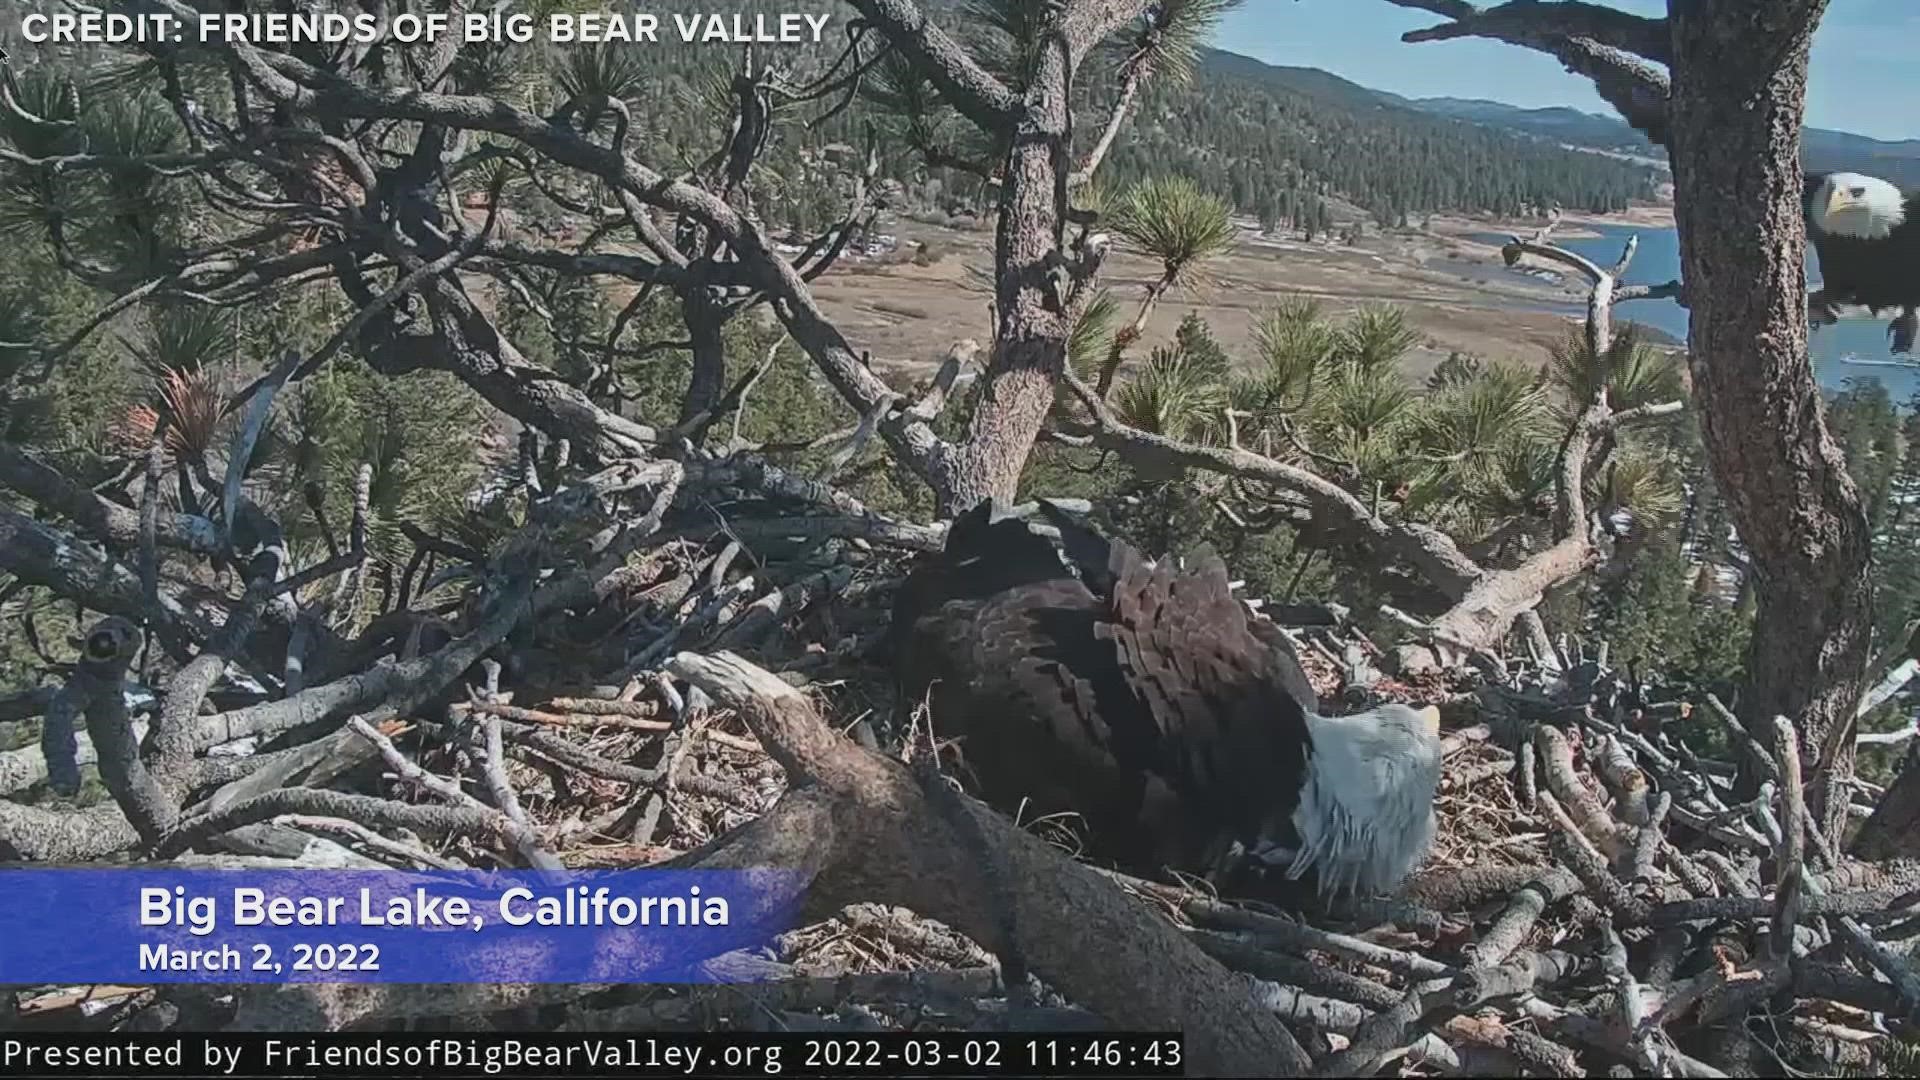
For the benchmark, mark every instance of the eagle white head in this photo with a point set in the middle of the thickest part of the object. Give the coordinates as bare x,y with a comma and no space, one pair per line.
1365,817
1857,206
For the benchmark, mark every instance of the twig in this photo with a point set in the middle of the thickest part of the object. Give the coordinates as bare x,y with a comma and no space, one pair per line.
360,834
1897,970
1524,910
1737,731
1595,822
1902,674
1579,854
1521,975
1313,1011
522,837
494,770
1628,1000
1297,936
1237,952
1386,1031
1789,879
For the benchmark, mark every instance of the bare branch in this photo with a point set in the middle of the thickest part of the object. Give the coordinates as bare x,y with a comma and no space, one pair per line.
109,521
1590,39
961,80
1526,19
1434,553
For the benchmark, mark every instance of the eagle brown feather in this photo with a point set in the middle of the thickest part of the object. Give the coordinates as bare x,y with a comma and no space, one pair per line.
1155,713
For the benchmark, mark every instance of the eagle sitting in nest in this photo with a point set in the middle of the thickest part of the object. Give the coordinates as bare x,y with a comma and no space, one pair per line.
1148,701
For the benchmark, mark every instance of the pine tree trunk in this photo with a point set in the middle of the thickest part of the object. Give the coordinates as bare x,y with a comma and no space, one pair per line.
1739,93
1030,343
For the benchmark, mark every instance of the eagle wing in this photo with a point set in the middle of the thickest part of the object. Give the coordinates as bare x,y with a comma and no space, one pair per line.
1216,702
1145,705
1291,676
1022,685
1846,263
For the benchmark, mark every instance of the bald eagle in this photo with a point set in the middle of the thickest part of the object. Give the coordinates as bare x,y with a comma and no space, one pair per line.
1146,700
1867,234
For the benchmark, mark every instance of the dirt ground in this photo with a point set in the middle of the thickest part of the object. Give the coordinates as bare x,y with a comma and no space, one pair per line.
1454,290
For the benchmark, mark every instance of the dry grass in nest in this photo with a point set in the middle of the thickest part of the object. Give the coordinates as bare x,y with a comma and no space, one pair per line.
1322,674
722,780
873,938
1481,821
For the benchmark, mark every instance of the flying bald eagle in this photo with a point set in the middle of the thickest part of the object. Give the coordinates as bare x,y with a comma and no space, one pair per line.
1146,699
1868,236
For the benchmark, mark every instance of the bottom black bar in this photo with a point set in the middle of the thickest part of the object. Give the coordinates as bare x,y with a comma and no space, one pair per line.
498,1055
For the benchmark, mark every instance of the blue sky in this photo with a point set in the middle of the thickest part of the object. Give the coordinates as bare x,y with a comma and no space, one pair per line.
1865,78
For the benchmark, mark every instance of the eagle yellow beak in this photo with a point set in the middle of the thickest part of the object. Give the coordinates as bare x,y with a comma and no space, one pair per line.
1839,200
1430,716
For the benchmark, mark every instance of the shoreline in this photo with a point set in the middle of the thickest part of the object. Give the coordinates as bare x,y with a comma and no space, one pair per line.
1455,290
1570,226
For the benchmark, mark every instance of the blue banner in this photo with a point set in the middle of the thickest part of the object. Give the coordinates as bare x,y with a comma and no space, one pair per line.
146,925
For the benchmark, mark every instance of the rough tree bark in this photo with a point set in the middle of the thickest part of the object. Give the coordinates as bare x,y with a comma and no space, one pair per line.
1730,117
1030,347
1030,353
1035,287
1739,98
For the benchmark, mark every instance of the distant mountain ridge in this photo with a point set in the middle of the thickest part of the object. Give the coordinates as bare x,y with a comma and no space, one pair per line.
1291,147
1314,82
1285,143
1331,108
1824,150
1571,125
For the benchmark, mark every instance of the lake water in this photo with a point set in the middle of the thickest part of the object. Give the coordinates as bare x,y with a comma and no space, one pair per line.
1658,261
